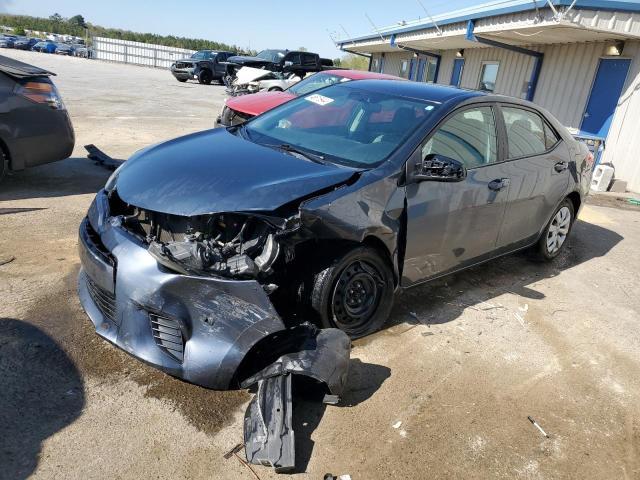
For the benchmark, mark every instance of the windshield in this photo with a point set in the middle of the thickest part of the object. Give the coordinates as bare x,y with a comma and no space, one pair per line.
343,124
271,55
315,82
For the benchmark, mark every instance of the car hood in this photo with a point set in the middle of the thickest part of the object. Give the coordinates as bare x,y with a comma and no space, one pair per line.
214,171
258,103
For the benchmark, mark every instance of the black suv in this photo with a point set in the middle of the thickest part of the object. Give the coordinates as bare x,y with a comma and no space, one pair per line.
205,65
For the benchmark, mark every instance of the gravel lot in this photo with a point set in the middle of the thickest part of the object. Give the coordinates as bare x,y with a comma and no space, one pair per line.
443,392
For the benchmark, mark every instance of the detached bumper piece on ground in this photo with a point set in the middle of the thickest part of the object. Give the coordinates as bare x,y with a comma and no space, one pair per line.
268,424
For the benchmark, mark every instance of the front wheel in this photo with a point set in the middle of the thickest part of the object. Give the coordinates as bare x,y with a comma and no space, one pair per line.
181,80
205,77
355,293
556,232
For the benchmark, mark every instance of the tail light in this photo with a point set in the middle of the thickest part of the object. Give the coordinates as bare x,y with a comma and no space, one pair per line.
39,91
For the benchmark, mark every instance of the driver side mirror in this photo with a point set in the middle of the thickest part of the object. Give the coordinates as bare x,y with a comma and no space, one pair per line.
439,168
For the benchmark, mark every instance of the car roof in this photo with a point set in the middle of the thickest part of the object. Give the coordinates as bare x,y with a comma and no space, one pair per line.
361,75
418,90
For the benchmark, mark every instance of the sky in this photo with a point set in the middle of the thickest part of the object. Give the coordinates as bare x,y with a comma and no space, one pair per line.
246,23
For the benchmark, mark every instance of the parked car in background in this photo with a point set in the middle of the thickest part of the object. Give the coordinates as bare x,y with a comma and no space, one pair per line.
45,46
35,127
240,109
25,43
65,49
277,60
80,50
7,41
204,65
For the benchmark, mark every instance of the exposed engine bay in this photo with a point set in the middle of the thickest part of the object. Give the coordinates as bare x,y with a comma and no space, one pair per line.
230,245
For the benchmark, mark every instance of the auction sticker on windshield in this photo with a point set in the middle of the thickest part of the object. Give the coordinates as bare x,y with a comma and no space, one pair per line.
319,99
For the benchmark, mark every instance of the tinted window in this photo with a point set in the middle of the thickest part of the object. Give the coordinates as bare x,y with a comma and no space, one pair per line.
551,138
468,136
344,124
525,132
308,60
488,77
198,56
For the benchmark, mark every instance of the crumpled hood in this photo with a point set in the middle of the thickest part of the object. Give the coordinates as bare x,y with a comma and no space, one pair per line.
215,171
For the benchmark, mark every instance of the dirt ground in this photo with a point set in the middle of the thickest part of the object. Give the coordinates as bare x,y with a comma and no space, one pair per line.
443,391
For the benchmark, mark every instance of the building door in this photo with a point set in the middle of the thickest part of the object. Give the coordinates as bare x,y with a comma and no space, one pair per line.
605,92
456,75
420,74
412,69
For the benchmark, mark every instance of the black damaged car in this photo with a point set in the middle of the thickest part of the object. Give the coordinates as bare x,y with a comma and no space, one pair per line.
200,250
35,127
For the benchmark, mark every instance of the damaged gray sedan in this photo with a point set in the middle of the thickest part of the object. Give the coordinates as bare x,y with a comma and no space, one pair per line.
203,254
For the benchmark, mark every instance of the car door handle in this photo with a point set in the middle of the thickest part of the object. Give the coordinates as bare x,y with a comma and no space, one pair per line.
561,166
499,184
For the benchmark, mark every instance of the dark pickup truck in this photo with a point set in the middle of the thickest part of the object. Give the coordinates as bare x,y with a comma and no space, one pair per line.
276,60
204,65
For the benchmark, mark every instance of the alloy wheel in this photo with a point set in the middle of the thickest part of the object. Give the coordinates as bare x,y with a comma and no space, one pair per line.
558,230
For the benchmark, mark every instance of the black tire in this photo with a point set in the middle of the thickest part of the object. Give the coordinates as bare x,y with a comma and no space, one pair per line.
4,165
205,77
181,80
545,250
354,293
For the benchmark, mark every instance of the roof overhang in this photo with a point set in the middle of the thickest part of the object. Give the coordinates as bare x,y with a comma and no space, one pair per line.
529,28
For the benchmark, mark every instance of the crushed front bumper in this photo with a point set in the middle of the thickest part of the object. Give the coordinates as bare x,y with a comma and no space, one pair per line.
195,328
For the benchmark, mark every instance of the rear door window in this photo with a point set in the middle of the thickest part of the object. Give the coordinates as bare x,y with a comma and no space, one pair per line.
551,138
525,132
468,136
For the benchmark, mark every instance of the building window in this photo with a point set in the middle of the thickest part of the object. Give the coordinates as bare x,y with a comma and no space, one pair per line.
488,76
432,65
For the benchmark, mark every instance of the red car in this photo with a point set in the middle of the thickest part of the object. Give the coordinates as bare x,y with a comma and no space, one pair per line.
240,109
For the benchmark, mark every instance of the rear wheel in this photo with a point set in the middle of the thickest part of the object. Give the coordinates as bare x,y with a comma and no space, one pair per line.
557,231
355,293
205,77
4,165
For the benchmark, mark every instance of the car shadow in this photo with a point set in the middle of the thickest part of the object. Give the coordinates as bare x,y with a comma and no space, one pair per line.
41,392
444,300
73,176
363,381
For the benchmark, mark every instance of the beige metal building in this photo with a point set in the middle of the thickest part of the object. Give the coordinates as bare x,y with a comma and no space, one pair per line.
578,59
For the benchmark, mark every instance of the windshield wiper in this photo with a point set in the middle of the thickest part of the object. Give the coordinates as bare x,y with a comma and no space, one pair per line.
292,149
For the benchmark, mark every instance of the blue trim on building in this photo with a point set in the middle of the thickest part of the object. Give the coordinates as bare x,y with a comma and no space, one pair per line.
537,66
491,11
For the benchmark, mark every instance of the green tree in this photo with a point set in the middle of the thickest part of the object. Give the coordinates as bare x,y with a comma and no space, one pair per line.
19,31
77,20
354,62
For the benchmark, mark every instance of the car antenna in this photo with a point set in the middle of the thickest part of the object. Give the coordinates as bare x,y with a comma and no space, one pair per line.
430,17
375,28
